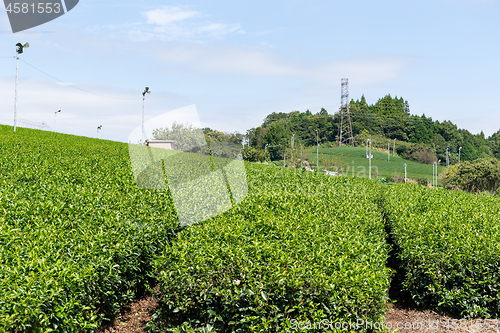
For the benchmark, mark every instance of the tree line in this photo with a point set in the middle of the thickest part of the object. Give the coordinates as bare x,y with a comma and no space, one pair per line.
388,118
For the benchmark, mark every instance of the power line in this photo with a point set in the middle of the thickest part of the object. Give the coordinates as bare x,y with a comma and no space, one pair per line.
61,120
32,124
75,87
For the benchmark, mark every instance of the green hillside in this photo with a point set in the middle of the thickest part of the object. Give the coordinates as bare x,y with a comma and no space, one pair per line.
387,119
354,159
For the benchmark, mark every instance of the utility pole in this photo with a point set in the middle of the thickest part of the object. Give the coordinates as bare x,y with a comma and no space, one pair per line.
301,156
434,173
432,183
284,159
265,152
19,50
405,173
394,148
369,156
459,154
345,117
389,150
55,114
447,157
437,172
317,146
146,91
291,157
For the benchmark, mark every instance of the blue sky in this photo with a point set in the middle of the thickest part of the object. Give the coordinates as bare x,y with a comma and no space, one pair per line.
238,61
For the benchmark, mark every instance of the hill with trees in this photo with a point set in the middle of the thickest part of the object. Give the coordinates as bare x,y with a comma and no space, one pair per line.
417,137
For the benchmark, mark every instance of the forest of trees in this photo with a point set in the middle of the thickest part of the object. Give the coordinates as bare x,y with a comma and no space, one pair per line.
388,118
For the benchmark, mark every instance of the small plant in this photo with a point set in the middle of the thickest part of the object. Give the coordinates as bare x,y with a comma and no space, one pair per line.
423,181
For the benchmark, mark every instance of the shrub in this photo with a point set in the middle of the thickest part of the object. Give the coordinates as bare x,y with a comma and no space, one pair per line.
77,237
448,247
402,150
424,156
252,154
480,175
301,246
423,181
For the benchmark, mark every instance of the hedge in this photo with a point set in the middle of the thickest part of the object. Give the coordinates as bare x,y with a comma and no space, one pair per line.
448,248
77,237
301,247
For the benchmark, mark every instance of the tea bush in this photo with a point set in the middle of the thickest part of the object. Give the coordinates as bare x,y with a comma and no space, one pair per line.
301,246
77,237
448,248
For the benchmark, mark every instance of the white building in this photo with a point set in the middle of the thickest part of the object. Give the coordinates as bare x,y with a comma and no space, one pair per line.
165,144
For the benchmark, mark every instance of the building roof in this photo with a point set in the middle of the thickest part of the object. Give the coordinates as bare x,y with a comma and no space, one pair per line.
161,141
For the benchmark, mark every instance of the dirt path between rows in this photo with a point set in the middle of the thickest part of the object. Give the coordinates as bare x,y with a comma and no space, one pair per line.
412,320
400,318
134,317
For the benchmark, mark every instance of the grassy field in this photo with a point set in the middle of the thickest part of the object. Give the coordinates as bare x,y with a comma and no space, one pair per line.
354,160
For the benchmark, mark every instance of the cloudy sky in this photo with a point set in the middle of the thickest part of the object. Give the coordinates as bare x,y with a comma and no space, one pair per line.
239,60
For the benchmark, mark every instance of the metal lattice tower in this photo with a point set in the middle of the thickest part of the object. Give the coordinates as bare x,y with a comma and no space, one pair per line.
345,128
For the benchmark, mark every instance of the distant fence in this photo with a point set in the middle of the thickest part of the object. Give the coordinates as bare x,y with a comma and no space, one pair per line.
33,125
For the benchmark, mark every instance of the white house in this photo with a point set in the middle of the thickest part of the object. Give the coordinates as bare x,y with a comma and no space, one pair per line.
165,144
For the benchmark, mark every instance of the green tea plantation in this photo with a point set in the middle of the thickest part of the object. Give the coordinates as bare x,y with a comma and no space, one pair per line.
79,240
77,237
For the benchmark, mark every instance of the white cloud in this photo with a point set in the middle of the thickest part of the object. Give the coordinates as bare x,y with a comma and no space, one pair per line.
256,62
363,71
219,30
81,111
230,60
170,23
246,62
168,15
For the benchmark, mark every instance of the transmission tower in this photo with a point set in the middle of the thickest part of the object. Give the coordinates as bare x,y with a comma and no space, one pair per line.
345,128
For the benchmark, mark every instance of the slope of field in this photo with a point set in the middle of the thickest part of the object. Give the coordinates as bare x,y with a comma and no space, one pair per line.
355,159
301,247
77,237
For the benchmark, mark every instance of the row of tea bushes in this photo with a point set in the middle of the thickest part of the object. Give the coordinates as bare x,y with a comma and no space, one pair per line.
301,247
77,237
448,248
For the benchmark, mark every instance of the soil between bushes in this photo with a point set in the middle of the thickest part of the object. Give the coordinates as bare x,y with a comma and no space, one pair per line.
416,320
135,317
403,316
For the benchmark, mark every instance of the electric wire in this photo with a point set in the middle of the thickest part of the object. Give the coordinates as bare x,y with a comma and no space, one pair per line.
75,87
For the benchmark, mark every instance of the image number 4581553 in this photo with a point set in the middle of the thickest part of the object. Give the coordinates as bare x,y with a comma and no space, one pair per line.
26,14
41,8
